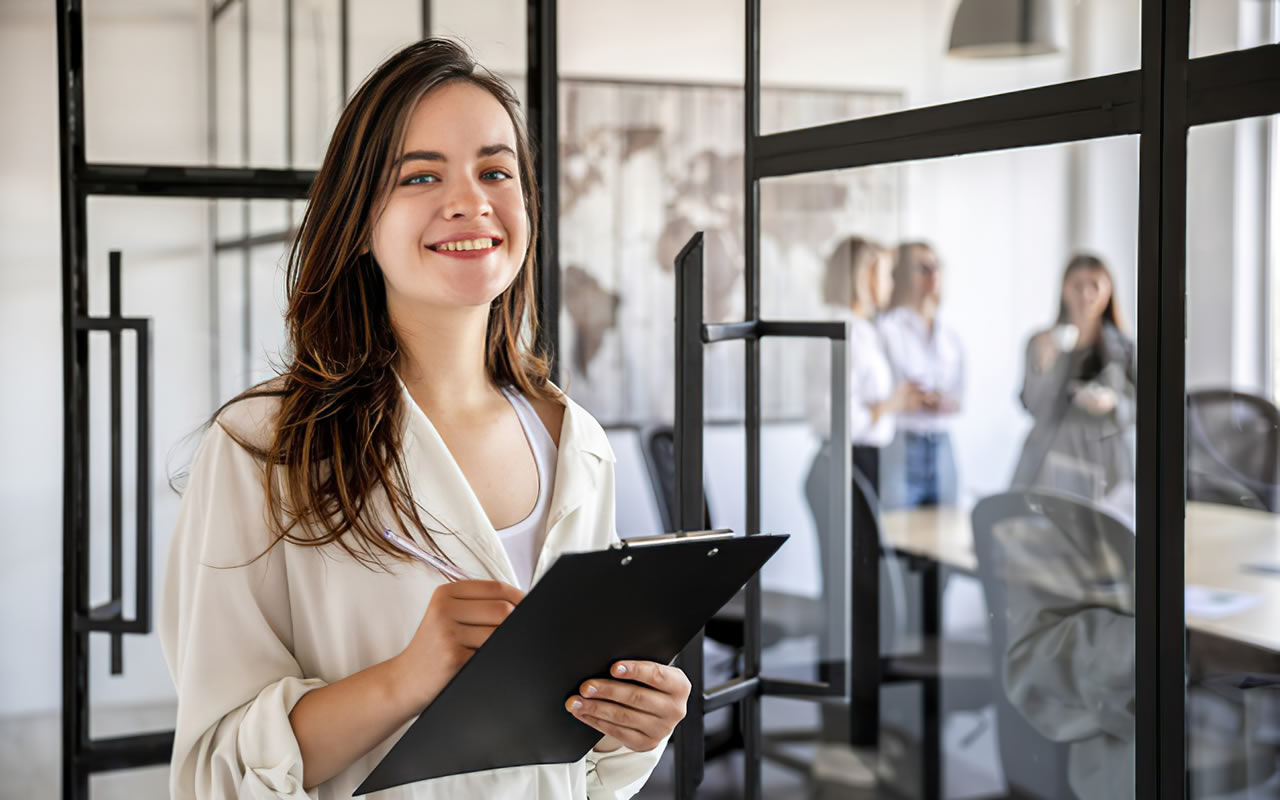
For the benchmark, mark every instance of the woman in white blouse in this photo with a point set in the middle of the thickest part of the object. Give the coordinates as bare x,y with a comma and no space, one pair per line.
856,285
356,528
918,468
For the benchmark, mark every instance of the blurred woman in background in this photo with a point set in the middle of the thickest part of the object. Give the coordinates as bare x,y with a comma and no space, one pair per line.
918,468
1080,386
856,287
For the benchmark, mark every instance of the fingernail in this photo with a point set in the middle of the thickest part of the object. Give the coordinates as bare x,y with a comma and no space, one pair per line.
621,669
577,704
591,691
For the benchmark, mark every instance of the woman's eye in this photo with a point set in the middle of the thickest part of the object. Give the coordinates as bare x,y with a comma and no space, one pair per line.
495,174
417,180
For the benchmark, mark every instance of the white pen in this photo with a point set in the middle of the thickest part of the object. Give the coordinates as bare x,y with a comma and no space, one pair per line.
412,549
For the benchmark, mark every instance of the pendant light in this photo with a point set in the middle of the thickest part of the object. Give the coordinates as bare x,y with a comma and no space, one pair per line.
1002,29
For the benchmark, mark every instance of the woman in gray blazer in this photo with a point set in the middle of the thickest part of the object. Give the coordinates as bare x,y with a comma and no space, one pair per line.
1080,386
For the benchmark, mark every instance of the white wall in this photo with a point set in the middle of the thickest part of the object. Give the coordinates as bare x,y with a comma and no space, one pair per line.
30,362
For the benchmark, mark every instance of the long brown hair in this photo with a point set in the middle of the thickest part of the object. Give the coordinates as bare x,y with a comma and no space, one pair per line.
336,441
1111,314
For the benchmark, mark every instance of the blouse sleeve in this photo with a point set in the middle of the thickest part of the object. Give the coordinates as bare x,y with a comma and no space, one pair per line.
618,774
1043,390
226,630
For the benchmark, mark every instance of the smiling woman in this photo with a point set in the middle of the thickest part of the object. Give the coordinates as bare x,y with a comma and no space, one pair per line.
357,527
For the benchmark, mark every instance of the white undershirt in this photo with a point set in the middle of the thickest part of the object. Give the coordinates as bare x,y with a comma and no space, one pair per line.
932,359
523,540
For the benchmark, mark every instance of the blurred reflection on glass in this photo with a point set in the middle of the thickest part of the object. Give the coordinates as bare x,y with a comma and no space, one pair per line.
1080,388
1058,578
919,467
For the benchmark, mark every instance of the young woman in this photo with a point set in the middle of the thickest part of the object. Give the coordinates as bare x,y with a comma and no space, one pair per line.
1080,388
355,529
919,468
856,286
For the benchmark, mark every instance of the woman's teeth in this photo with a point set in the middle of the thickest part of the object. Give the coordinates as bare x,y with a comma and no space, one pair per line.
466,244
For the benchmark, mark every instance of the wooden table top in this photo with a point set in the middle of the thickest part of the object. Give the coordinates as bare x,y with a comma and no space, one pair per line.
1221,542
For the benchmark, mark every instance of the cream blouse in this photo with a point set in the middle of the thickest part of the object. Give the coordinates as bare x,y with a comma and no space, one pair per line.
244,641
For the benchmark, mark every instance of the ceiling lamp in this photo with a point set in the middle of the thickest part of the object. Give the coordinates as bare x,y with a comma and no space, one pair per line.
1002,29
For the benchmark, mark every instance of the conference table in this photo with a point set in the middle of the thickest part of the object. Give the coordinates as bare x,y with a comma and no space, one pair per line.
1227,548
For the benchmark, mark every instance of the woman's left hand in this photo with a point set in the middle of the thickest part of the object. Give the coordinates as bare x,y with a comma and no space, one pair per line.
1097,399
637,716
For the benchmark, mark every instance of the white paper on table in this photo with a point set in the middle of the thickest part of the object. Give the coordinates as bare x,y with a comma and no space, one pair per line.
1207,602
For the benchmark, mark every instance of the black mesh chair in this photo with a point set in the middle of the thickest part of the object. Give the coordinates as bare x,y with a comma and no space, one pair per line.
1233,449
723,728
1025,541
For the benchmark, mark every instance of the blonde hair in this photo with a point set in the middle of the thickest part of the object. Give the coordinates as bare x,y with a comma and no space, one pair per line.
850,257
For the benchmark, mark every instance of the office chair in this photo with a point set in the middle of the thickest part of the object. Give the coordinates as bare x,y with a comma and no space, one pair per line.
921,659
1052,530
1233,449
1233,741
725,628
783,615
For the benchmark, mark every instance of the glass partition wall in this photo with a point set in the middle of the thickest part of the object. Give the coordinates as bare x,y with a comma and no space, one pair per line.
1071,507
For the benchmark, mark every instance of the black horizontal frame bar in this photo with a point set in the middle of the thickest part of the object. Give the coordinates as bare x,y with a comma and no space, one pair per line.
198,182
726,694
100,620
1237,85
760,329
257,240
106,612
108,324
777,687
1066,112
127,752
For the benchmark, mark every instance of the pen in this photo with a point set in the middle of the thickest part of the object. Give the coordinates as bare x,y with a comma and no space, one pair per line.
412,549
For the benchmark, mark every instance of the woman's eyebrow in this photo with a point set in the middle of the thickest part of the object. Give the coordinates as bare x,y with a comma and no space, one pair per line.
432,155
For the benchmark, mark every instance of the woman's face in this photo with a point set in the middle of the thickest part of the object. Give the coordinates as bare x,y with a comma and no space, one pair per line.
1086,292
454,229
924,275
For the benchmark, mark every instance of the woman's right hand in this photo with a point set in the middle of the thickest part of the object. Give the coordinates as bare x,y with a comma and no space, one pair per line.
459,619
907,397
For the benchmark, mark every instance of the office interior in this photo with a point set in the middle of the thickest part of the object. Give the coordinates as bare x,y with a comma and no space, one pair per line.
971,699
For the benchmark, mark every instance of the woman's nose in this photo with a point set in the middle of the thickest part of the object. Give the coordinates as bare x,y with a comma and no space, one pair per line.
466,199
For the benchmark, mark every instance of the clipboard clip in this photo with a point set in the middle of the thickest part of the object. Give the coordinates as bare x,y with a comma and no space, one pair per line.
678,536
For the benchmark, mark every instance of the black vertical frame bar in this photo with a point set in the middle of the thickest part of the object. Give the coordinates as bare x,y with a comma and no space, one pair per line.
75,424
344,45
689,499
543,104
117,464
426,18
1160,668
751,716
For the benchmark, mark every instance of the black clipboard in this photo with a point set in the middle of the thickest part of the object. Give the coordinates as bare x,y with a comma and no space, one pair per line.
644,599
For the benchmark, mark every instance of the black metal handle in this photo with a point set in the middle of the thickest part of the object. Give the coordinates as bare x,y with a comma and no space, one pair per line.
689,499
109,617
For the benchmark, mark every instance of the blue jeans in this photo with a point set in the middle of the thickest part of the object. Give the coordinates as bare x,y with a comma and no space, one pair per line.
918,469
